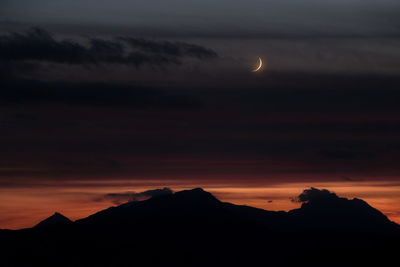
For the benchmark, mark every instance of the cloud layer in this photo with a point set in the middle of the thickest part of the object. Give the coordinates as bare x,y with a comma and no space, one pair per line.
118,198
39,45
314,194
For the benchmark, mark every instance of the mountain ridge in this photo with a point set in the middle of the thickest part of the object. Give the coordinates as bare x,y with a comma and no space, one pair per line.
203,200
193,228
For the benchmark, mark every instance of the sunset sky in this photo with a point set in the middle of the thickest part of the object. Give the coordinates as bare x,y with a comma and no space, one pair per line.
103,99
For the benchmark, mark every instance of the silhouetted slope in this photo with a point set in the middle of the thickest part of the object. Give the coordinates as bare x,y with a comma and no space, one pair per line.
193,228
319,212
323,209
184,202
54,220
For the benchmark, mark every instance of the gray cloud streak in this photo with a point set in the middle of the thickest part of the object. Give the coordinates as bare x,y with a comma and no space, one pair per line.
39,45
118,198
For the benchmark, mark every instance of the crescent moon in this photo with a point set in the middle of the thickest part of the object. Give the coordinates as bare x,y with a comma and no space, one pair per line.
260,63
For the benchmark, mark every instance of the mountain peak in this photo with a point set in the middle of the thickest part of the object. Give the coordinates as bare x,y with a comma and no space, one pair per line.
325,208
196,195
55,219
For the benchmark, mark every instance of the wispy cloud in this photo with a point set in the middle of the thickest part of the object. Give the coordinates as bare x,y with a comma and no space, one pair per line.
39,45
118,198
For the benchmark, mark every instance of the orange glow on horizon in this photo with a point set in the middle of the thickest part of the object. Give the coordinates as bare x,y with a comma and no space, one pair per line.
25,207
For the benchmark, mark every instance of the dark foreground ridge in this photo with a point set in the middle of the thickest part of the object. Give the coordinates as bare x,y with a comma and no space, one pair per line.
193,228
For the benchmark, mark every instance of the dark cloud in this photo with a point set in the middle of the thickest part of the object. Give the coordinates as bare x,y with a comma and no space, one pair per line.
315,195
93,94
348,179
39,45
118,198
176,49
371,94
337,153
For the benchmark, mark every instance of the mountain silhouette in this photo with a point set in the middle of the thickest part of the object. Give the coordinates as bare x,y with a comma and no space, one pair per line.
54,220
193,228
323,209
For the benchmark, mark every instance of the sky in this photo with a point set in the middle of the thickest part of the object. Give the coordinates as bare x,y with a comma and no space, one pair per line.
101,100
222,17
